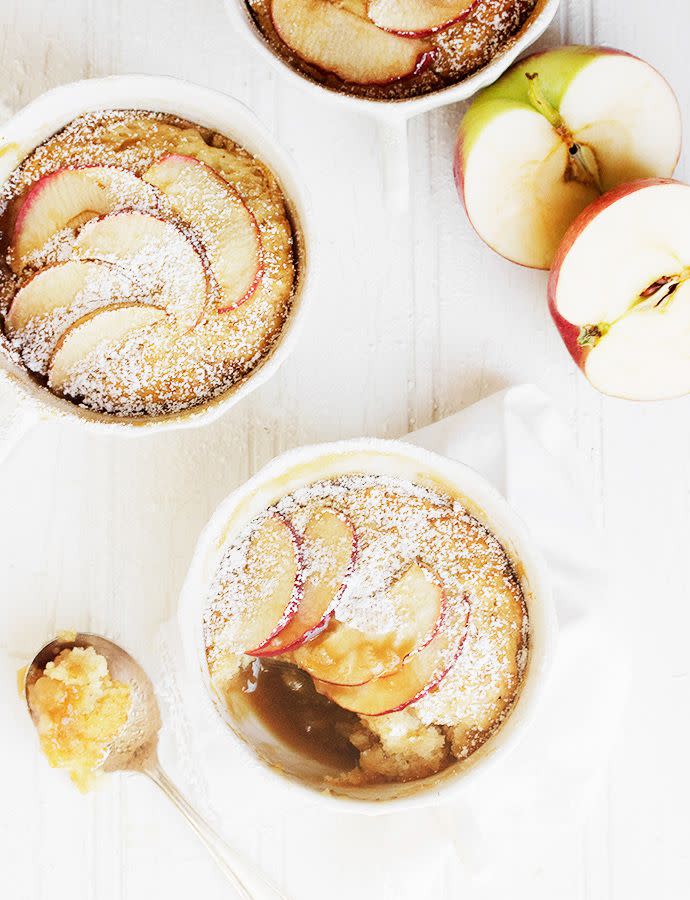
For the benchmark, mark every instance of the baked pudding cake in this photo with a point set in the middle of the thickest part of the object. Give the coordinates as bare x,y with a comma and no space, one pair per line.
389,49
372,625
148,264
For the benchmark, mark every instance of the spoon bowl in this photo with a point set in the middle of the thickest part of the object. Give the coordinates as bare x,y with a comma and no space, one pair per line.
135,746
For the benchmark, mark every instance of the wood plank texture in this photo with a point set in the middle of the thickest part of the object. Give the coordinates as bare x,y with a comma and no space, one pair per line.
415,319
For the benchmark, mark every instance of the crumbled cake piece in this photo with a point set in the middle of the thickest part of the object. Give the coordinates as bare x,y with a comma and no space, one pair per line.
79,710
404,749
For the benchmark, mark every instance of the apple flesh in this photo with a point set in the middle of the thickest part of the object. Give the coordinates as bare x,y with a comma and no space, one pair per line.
67,198
415,677
55,287
162,258
329,547
205,200
619,291
417,17
269,594
552,135
102,326
341,39
345,655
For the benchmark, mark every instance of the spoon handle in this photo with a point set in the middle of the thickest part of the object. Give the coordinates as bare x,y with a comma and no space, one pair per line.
250,885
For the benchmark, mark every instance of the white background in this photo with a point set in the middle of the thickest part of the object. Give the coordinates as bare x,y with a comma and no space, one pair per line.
415,319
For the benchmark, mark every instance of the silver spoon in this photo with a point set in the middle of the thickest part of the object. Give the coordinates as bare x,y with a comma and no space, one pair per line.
136,750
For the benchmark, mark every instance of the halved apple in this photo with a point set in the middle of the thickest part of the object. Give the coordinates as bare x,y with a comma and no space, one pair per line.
417,674
67,198
417,17
164,262
205,200
329,547
100,327
345,655
619,291
340,38
554,133
54,287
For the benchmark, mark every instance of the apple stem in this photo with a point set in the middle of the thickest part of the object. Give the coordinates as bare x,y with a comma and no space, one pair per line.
582,161
539,101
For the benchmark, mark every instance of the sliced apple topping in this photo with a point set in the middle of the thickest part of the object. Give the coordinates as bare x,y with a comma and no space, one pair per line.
348,656
619,291
417,17
551,135
418,674
69,197
102,327
55,297
165,264
329,547
340,38
268,590
230,234
55,287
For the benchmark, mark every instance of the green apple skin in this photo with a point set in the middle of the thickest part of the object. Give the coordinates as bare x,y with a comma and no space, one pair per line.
556,70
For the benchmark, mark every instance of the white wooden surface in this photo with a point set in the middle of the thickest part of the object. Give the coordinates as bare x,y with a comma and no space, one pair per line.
416,318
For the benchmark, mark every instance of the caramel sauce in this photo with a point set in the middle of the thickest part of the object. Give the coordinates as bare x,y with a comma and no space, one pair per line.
284,698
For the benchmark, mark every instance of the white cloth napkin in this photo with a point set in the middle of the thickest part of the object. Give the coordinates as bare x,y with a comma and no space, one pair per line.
505,821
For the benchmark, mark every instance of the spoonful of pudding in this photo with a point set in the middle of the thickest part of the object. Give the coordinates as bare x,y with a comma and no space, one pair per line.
95,710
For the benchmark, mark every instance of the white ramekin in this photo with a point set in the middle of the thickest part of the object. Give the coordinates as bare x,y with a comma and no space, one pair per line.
393,115
304,466
50,112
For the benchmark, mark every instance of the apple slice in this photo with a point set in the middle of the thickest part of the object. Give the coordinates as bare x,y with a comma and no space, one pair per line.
164,263
272,587
347,656
554,133
230,234
69,197
619,291
329,547
341,39
102,326
415,677
417,17
55,287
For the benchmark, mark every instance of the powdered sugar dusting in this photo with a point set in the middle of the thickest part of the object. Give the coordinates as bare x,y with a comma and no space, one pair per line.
396,523
196,353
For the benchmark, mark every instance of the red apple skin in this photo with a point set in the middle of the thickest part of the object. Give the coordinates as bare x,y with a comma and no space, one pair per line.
429,32
295,600
569,331
458,156
432,634
321,626
261,270
439,676
423,60
200,251
436,681
36,189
